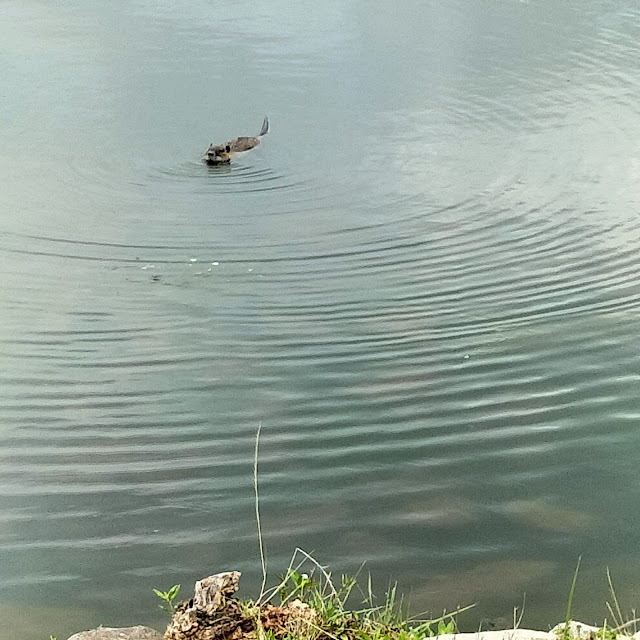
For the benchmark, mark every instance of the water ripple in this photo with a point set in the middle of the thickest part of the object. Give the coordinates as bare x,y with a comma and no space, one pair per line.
423,283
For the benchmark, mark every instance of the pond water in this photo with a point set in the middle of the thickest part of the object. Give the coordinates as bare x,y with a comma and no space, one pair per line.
424,284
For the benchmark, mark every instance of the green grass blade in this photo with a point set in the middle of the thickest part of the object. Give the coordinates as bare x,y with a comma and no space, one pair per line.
567,619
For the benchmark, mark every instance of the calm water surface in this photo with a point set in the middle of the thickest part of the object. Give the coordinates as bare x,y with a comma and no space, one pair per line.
424,283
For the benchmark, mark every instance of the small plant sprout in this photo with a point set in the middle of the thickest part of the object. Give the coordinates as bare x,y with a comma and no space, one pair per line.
294,585
449,627
167,598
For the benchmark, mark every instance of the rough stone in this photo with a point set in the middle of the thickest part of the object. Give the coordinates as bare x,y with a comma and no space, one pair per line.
122,633
210,593
211,613
577,630
506,634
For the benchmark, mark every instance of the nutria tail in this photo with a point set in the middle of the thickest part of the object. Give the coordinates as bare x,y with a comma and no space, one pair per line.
265,127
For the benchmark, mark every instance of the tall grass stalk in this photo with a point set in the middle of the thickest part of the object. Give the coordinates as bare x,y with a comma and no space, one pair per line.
517,619
616,615
263,562
566,632
616,611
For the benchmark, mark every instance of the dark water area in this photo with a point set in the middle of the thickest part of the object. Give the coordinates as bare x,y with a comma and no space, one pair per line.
424,283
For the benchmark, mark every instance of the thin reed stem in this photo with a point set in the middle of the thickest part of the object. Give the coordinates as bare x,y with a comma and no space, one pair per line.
263,562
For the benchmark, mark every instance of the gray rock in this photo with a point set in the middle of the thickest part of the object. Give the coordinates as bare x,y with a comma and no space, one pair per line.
199,618
577,630
123,633
506,634
211,592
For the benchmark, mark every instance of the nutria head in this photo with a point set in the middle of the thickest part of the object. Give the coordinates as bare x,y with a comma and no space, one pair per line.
217,154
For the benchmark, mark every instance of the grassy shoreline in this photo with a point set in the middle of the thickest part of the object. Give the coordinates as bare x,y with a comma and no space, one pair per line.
308,603
313,605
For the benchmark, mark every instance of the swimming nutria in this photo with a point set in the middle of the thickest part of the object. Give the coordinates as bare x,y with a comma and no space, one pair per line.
222,153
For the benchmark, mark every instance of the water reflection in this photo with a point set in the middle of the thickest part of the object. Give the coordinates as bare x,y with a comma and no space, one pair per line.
542,514
486,583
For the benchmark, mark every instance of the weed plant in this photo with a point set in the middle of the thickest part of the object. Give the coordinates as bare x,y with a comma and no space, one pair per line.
167,598
335,619
326,614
